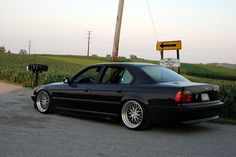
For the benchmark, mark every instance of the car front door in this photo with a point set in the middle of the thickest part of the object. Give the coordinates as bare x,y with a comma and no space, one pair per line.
76,94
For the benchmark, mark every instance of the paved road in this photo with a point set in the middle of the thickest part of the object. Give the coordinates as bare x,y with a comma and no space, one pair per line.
25,132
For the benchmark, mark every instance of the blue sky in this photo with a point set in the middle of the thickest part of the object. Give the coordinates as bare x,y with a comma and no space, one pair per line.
207,28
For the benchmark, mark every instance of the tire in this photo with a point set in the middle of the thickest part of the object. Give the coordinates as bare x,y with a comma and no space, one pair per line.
43,102
134,115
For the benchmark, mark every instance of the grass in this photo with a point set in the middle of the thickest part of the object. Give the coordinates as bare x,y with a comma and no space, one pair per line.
83,61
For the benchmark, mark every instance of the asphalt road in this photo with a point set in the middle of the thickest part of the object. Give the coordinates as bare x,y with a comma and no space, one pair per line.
25,132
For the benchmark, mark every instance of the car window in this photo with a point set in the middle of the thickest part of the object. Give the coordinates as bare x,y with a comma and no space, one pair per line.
88,76
127,78
161,74
116,75
112,75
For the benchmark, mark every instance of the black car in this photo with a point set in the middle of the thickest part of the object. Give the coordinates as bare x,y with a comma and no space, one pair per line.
139,93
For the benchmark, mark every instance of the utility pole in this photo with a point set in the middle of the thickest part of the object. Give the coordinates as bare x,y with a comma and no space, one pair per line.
29,46
117,31
89,38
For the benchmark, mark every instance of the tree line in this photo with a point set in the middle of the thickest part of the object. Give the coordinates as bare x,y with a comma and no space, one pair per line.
3,50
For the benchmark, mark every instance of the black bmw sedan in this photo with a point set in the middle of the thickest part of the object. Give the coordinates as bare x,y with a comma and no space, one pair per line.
138,93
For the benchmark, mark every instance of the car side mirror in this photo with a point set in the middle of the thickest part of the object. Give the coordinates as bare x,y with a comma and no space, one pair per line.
66,80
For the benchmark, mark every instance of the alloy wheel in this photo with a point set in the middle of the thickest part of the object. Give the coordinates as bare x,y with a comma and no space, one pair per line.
132,114
42,101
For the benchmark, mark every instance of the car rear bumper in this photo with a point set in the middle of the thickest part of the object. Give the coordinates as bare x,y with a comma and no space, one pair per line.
200,120
186,113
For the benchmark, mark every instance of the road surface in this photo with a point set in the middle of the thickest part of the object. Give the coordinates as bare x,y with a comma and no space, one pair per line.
25,132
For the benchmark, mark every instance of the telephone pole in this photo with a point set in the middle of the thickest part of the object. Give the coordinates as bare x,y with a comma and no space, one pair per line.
29,46
89,38
117,31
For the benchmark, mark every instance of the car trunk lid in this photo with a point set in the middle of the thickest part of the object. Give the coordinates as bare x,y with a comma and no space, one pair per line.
195,92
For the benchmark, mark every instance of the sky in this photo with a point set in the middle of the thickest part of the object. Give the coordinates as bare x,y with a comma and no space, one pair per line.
207,28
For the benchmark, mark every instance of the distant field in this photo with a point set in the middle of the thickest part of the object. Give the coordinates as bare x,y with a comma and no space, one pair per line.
201,70
80,60
209,71
13,69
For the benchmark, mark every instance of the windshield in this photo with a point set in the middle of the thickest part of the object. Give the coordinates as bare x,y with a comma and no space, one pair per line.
161,74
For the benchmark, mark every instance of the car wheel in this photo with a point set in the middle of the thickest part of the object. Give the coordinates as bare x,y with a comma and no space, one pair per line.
43,102
134,115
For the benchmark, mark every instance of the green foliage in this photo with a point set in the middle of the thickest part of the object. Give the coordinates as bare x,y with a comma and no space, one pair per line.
23,52
13,69
209,71
2,49
133,57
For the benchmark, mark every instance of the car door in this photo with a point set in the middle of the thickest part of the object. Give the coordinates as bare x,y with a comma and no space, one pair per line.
76,94
108,93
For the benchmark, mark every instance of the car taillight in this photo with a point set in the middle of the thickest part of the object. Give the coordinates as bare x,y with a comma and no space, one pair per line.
183,97
218,93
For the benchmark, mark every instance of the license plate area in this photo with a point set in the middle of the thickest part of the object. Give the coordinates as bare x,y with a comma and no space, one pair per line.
205,97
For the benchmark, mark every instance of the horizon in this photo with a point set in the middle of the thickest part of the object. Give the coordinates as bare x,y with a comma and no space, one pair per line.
207,28
91,57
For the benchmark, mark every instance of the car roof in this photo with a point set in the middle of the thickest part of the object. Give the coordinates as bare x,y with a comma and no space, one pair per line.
125,63
140,76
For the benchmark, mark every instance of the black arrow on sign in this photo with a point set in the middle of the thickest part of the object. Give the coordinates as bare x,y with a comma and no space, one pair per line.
167,45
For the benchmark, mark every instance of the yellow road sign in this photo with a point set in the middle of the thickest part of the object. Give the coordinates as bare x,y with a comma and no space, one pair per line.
169,45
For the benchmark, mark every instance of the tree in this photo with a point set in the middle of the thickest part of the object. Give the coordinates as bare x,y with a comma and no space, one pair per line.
95,56
133,57
8,51
23,52
108,56
2,49
122,57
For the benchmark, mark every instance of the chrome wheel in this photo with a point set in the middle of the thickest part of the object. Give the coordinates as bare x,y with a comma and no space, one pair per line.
132,114
42,101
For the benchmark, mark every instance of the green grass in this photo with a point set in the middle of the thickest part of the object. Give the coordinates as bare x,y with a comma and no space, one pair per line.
83,61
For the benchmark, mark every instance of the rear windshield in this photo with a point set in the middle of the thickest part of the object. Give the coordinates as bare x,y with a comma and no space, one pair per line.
161,74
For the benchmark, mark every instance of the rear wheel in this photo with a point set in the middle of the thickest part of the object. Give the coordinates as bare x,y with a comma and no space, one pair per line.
134,115
43,102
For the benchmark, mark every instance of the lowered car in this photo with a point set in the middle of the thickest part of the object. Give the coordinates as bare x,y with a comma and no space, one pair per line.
139,93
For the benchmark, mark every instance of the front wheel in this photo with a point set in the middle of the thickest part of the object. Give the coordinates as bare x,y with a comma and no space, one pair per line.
43,102
134,115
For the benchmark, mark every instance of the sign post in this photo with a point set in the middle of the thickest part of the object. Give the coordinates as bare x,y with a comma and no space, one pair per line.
169,45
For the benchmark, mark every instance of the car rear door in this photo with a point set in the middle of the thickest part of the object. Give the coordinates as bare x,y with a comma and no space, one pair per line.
108,93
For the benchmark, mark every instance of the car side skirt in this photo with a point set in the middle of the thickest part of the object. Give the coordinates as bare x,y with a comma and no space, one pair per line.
89,112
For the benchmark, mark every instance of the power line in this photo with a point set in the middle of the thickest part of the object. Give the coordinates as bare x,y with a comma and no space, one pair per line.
153,24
